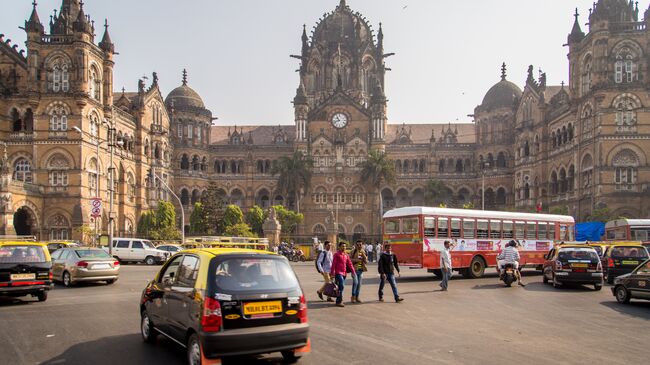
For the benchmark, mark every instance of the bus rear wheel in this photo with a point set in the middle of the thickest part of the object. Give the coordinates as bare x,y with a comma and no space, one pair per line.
476,269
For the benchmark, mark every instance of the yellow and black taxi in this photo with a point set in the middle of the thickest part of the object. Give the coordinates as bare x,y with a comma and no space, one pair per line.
622,258
634,285
575,264
219,302
25,269
57,245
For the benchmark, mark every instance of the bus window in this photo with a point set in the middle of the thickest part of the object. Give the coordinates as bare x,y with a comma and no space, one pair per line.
571,232
495,229
610,235
551,231
519,230
481,229
410,225
429,227
455,227
468,228
443,228
639,234
531,231
564,234
507,229
543,231
620,233
391,226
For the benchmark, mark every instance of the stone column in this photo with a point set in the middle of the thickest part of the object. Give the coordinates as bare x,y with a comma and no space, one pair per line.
6,210
332,231
272,229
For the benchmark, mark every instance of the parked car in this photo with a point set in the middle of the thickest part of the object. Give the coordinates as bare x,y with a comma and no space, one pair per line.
621,259
171,248
635,285
25,269
138,250
577,264
227,302
75,264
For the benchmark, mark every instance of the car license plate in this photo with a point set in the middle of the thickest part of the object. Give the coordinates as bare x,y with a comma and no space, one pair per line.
583,266
630,262
23,276
262,307
101,266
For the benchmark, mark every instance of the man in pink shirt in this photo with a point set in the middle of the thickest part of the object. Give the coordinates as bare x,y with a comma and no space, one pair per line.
341,265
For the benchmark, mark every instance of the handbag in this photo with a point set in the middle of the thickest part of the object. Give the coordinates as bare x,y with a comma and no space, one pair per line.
331,290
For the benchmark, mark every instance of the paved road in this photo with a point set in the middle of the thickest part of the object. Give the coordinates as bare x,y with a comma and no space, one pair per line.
477,321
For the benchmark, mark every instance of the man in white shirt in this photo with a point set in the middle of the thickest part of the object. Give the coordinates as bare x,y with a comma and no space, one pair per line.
445,265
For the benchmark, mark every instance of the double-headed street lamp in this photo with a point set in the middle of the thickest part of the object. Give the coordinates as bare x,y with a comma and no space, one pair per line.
152,174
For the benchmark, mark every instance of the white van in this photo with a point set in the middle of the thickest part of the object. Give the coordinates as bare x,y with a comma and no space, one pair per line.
138,250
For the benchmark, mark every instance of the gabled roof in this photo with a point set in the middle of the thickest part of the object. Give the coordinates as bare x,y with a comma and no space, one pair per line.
339,98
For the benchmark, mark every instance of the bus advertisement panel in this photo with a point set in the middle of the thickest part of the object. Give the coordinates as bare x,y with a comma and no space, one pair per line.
418,235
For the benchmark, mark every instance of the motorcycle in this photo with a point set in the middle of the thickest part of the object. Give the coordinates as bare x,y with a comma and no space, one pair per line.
508,275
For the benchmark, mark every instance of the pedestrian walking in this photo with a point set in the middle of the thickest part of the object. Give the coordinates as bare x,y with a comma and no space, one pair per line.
324,265
359,260
377,251
445,265
387,265
369,248
341,265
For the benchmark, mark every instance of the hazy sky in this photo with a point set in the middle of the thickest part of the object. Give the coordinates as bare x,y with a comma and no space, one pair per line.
448,53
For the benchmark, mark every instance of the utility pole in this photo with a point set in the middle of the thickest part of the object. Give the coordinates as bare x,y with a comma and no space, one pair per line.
180,204
111,188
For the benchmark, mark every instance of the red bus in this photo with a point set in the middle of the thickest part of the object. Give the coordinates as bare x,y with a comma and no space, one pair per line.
417,235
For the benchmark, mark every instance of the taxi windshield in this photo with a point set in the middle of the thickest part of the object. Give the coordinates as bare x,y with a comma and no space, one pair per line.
14,254
253,275
629,251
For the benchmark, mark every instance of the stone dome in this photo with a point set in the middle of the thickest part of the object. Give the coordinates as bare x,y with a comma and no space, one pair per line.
502,94
342,26
184,96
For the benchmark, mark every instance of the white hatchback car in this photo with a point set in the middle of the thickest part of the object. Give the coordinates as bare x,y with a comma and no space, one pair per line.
138,250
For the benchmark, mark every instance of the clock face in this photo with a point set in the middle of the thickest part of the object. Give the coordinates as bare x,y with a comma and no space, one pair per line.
339,120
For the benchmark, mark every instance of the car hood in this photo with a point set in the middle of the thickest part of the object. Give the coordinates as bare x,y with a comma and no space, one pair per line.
624,276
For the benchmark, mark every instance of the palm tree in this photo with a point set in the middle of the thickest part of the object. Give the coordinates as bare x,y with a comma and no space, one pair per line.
437,193
375,170
294,175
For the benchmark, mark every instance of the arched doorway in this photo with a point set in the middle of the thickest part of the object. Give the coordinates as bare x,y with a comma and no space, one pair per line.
23,221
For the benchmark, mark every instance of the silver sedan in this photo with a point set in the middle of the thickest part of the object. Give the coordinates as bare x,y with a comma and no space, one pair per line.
75,264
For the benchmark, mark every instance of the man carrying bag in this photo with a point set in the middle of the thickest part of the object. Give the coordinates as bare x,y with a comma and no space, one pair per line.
324,265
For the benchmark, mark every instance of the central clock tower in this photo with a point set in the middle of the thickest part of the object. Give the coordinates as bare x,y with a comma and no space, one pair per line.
340,114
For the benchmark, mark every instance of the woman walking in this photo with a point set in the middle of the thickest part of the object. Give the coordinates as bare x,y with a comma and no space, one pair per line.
359,260
341,264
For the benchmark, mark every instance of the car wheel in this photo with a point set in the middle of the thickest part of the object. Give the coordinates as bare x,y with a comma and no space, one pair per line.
544,278
194,355
622,294
111,281
597,287
149,260
290,356
149,334
67,280
42,296
476,268
555,282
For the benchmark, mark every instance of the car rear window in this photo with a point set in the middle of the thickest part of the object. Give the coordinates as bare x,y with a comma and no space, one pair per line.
236,275
570,254
630,251
89,254
15,254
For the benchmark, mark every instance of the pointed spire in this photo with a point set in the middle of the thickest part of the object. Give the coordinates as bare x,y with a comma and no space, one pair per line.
184,77
34,23
576,33
106,44
380,39
503,72
301,95
82,24
342,5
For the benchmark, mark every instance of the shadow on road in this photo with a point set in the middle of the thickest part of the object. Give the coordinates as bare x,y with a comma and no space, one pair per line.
564,288
130,349
24,300
633,308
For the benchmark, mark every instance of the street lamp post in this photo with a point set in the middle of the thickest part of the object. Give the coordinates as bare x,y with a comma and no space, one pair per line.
180,203
485,166
111,189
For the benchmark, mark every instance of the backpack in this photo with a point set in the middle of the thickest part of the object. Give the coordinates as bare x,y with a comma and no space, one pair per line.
324,253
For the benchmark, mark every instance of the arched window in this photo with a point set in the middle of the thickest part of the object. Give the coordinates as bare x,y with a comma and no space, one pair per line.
59,227
459,166
398,166
501,196
586,167
95,83
319,231
626,65
571,178
501,160
626,163
490,160
93,177
185,162
128,227
441,166
58,75
94,125
185,197
237,198
196,164
585,76
554,183
526,149
526,191
563,181
23,170
130,187
625,112
58,119
58,170
196,196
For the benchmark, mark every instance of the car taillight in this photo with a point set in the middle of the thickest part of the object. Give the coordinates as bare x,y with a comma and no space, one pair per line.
302,310
82,264
116,263
600,266
51,276
211,320
610,262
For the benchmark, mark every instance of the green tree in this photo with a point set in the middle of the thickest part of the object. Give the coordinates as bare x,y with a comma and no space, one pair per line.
376,170
239,230
468,205
147,223
600,215
562,210
288,219
232,216
159,224
213,209
294,175
436,193
165,214
197,220
255,219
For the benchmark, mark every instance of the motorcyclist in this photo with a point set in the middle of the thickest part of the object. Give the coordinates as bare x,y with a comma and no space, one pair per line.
510,255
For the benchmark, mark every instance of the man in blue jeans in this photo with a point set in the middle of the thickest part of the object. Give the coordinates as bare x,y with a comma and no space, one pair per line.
387,266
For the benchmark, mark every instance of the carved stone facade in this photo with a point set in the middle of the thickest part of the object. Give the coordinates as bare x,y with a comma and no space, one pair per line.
581,145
